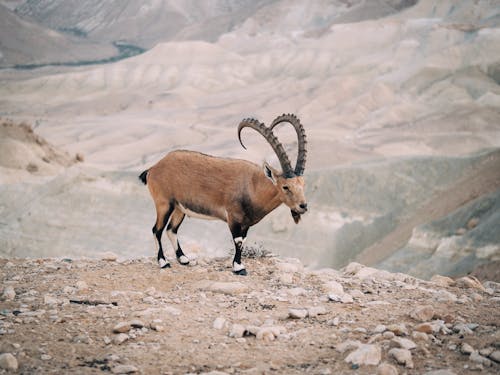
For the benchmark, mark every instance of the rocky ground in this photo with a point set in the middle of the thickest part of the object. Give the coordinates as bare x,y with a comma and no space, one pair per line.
95,316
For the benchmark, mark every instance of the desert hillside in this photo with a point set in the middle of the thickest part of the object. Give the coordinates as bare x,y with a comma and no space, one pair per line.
107,316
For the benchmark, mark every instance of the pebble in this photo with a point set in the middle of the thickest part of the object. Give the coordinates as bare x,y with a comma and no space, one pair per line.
9,293
316,310
120,338
219,323
297,313
109,256
124,369
495,356
424,328
365,354
402,356
237,331
478,358
386,369
269,333
442,280
334,287
122,327
380,329
466,349
50,300
81,285
398,329
404,343
421,336
422,313
445,296
8,362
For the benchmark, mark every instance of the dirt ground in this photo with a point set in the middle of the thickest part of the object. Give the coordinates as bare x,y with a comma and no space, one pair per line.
62,317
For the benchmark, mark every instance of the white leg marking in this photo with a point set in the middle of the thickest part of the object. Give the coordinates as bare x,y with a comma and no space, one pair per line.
162,262
183,259
240,240
238,267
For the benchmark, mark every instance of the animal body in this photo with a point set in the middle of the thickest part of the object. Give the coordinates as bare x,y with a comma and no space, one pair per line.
235,191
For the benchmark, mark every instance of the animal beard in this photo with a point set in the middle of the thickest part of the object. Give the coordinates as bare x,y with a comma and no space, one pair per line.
296,216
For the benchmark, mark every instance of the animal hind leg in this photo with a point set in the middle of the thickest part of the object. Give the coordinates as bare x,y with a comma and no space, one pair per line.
172,228
239,234
163,213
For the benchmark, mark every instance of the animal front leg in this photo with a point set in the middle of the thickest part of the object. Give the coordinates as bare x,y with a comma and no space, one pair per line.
239,237
172,228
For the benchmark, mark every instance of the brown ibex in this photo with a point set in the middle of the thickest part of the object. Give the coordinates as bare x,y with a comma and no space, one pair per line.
235,191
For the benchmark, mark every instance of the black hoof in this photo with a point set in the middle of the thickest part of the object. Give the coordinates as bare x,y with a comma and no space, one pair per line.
242,272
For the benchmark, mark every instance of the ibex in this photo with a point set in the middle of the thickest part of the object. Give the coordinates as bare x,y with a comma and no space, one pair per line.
232,190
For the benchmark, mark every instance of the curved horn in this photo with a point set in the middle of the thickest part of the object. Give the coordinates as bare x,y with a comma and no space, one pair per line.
273,141
301,135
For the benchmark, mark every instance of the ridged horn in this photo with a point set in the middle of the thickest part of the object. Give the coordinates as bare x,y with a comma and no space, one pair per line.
301,139
286,166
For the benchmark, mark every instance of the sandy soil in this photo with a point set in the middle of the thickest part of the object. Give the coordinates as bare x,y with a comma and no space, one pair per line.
62,316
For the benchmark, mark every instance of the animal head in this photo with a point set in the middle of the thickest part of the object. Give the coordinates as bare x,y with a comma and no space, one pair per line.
290,182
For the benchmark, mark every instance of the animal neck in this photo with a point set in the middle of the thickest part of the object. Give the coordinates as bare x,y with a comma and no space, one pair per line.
268,195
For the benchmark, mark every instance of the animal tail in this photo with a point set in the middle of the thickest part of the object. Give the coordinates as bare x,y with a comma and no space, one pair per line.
144,177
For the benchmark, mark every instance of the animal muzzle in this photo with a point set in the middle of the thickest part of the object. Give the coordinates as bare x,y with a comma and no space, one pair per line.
296,213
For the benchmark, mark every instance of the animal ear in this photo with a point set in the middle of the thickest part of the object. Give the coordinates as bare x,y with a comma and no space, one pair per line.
270,173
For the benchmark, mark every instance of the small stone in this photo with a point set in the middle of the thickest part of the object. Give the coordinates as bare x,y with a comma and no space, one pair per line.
472,223
442,280
316,310
45,357
109,256
136,323
422,313
470,282
402,357
297,313
380,329
219,323
334,287
269,333
50,300
365,354
420,336
230,288
425,328
388,335
347,345
346,298
445,296
81,285
404,343
8,293
334,297
124,369
398,329
466,349
386,369
8,362
237,331
122,327
495,356
440,372
120,338
477,358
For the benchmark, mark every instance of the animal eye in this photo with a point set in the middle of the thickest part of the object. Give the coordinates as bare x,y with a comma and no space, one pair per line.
286,188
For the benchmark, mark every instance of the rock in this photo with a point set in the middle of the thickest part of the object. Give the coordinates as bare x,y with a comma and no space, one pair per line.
495,356
334,297
109,256
316,310
462,329
402,356
466,349
289,265
442,280
440,372
124,369
122,327
380,329
269,333
386,369
421,336
347,345
478,358
422,313
81,285
470,282
346,298
235,287
398,329
45,357
297,313
50,300
237,331
9,293
425,328
472,223
404,343
445,296
8,362
365,354
297,292
120,338
334,287
219,323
